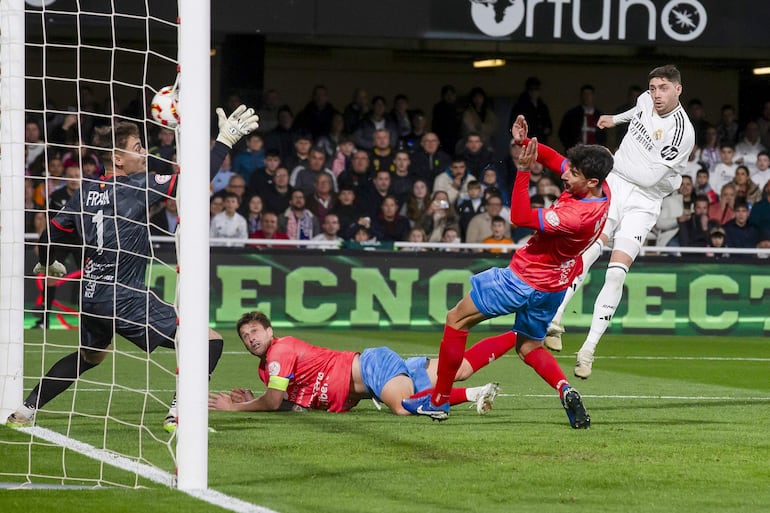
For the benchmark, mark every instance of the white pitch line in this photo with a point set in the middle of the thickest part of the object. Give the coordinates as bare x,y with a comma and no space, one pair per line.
670,397
147,471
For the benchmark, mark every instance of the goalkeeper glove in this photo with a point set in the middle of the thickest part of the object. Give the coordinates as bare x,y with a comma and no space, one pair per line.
241,122
56,269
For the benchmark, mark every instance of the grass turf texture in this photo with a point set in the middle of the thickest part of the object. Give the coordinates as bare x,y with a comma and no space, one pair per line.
678,424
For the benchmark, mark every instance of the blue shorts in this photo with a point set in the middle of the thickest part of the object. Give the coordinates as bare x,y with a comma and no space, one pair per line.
418,371
499,291
378,366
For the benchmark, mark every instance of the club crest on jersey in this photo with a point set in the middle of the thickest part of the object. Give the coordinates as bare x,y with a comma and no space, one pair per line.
669,153
658,134
274,368
161,179
552,218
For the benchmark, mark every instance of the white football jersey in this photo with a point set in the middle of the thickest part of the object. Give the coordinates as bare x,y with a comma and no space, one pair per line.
655,150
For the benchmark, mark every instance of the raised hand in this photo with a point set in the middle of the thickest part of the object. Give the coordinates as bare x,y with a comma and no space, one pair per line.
241,122
519,129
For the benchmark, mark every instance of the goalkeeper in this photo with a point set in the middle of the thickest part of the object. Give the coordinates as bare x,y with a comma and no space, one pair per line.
299,375
108,219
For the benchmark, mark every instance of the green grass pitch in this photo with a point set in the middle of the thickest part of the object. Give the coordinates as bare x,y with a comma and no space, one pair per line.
678,425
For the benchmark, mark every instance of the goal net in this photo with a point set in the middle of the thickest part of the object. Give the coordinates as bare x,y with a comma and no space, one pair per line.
70,70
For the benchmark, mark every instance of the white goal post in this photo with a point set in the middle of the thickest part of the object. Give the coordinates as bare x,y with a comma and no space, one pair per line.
189,445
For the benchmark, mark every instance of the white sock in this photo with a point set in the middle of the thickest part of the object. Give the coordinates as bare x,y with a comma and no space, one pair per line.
606,303
473,393
26,411
590,256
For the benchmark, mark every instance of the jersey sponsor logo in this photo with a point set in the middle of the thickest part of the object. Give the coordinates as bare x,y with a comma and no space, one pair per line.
97,199
669,152
552,218
658,134
273,368
161,179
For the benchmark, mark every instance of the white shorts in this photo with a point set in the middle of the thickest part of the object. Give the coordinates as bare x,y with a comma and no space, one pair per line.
632,214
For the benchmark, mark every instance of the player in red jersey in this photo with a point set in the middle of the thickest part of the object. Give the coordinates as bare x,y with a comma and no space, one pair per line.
298,374
534,283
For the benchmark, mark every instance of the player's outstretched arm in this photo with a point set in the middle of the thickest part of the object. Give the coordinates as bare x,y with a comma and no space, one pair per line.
271,400
605,121
241,122
522,213
547,156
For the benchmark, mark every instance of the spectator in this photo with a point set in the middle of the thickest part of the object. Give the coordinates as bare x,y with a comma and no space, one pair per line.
745,188
389,225
216,204
727,128
722,212
578,126
724,171
451,235
343,156
748,148
229,224
323,198
356,110
299,157
454,181
401,116
237,186
739,233
33,140
411,141
163,154
330,228
760,213
429,160
298,222
372,196
346,211
703,187
276,196
268,110
476,155
375,119
687,191
269,230
251,158
534,110
262,179
416,234
761,174
490,178
253,214
498,227
717,240
401,179
330,142
480,226
709,155
694,231
479,117
382,152
282,137
316,117
417,202
71,180
446,119
470,206
672,213
165,221
304,177
697,115
439,215
359,174
764,125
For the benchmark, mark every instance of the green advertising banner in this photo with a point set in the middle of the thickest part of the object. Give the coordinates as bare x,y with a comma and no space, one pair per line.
382,289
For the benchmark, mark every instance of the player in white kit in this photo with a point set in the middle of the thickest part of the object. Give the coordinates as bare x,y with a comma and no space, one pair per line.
648,167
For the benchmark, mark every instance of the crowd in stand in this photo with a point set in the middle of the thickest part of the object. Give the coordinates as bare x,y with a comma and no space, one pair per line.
371,172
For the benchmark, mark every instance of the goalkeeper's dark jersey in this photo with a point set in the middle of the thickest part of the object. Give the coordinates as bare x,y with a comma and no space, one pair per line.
109,218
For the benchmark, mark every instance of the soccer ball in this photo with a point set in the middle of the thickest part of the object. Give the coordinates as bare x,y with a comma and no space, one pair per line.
163,107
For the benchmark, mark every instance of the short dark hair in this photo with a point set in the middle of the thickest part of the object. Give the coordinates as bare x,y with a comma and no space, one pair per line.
255,316
670,73
498,219
593,160
702,198
739,203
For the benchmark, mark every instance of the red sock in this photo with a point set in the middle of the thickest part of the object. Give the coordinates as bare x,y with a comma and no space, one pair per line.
546,366
450,357
458,396
487,350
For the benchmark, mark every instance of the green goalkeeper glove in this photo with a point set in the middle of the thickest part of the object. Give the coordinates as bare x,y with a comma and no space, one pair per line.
56,269
241,122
